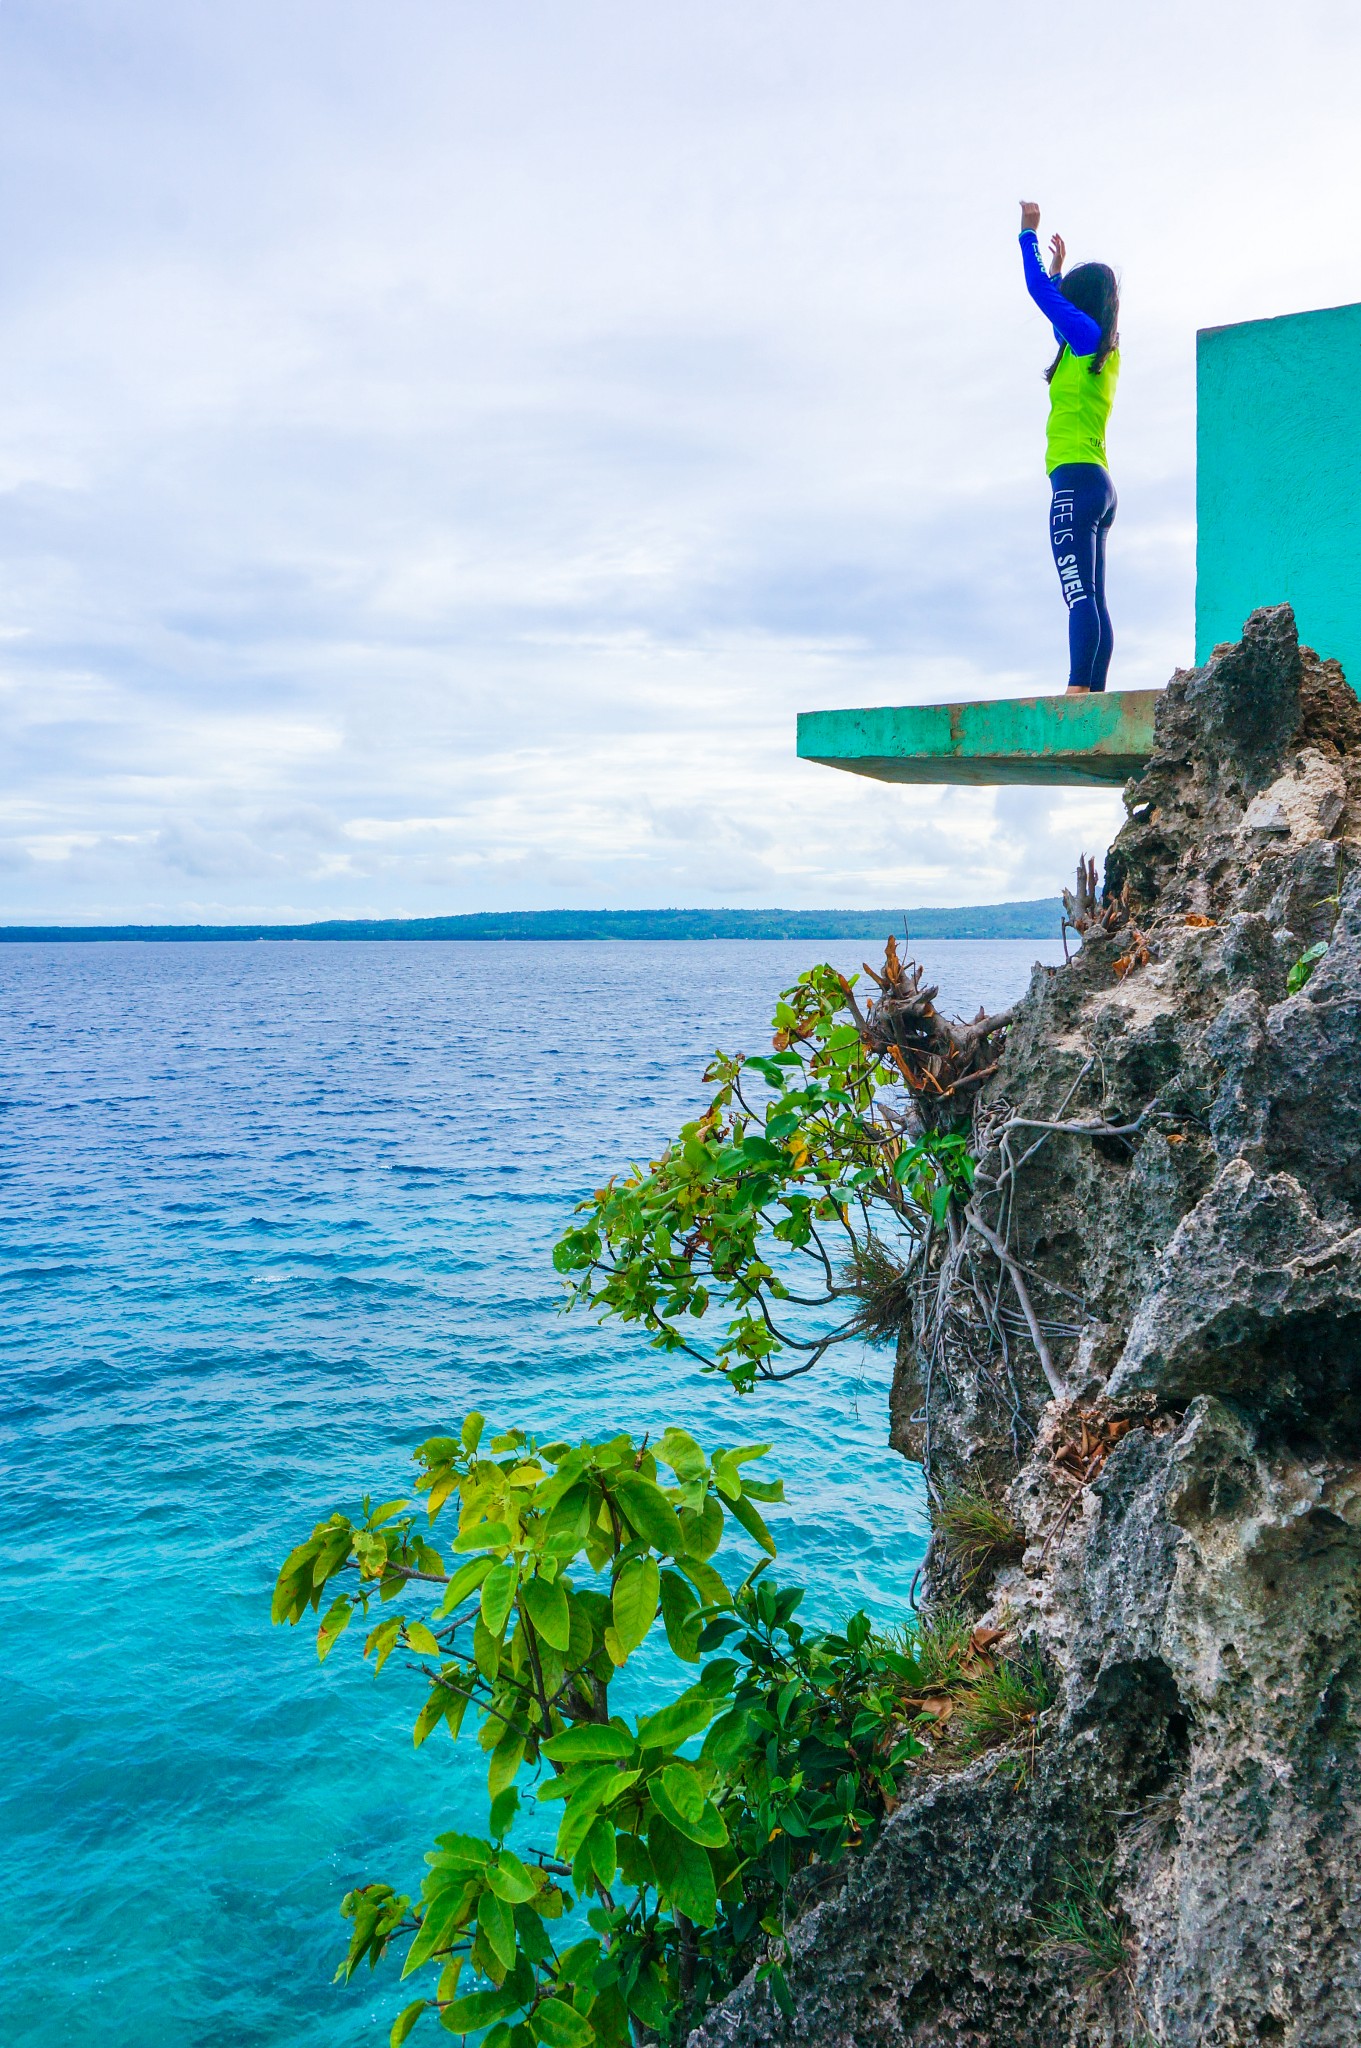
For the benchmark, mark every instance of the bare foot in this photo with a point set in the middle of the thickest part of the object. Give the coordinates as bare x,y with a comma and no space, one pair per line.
1077,690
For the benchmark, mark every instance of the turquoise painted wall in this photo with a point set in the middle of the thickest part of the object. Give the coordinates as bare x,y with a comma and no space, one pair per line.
1278,478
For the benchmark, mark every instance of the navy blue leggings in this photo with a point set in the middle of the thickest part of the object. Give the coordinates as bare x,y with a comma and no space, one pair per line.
1079,520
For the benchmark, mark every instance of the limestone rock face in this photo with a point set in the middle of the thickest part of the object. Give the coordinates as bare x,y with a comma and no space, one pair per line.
1198,1600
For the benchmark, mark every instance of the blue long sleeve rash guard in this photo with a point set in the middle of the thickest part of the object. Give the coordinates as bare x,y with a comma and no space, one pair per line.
1077,329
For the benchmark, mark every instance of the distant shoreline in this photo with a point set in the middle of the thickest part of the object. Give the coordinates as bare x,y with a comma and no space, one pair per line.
1038,919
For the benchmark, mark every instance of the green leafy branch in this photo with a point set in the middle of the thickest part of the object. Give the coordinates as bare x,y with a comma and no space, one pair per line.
564,1560
822,1178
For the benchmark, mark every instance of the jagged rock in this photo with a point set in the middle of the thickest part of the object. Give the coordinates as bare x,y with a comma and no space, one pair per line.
1199,1599
1305,803
1253,1297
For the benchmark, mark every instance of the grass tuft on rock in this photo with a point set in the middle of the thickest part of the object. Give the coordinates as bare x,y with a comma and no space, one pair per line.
1003,1705
975,1532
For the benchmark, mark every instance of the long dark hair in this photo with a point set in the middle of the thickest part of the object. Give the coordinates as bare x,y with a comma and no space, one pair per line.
1093,289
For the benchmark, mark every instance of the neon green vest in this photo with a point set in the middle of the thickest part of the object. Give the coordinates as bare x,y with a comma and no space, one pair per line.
1079,406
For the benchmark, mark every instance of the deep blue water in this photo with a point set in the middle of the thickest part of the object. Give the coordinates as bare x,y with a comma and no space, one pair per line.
269,1214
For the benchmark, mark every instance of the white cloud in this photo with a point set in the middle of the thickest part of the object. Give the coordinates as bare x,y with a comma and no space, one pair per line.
443,447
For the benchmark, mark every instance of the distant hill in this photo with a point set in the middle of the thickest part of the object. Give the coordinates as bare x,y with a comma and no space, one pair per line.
1035,920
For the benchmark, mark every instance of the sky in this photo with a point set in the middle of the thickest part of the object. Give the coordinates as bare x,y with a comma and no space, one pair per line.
442,446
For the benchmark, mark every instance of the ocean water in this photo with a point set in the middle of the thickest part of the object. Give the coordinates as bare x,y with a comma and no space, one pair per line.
270,1214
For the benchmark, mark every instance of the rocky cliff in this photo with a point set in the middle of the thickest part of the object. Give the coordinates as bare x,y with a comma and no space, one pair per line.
1172,1146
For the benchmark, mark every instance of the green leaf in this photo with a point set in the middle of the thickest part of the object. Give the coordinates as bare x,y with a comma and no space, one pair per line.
568,1521
577,1821
600,1844
585,1781
466,1580
513,1880
471,1433
1304,966
443,1702
483,1536
682,1454
649,1512
506,1759
502,1811
478,2009
709,1830
783,1996
546,1606
464,1852
497,1923
675,1724
589,1743
619,1785
706,1581
532,1935
498,1594
386,1512
334,1623
904,1667
683,1791
637,1591
383,1640
684,1873
726,1477
729,1741
486,1651
405,2021
680,1616
703,1528
742,1511
421,1638
441,1917
559,2025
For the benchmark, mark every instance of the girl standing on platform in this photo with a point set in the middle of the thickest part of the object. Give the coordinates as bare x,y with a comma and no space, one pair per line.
1084,310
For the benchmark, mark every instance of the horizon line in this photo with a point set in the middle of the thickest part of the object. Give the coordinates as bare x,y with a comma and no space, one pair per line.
1016,917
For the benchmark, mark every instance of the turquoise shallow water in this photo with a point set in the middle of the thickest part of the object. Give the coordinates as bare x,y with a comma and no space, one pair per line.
268,1215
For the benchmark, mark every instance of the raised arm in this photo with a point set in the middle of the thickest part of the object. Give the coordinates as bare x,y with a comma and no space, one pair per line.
1078,329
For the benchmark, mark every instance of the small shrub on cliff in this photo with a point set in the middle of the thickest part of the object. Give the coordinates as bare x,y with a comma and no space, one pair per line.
667,1874
794,1217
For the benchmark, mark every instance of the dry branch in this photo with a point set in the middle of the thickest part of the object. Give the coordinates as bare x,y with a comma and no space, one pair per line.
940,1059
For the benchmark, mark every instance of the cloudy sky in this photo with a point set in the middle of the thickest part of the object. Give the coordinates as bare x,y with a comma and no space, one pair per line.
443,445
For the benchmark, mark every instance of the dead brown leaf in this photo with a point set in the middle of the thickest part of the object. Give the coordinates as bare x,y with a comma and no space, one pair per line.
1137,956
1081,1455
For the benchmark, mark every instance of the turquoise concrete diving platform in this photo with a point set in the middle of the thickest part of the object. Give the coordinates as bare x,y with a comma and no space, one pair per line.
1075,742
1278,455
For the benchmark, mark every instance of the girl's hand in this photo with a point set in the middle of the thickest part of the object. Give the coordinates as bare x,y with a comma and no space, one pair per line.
1030,217
1057,253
